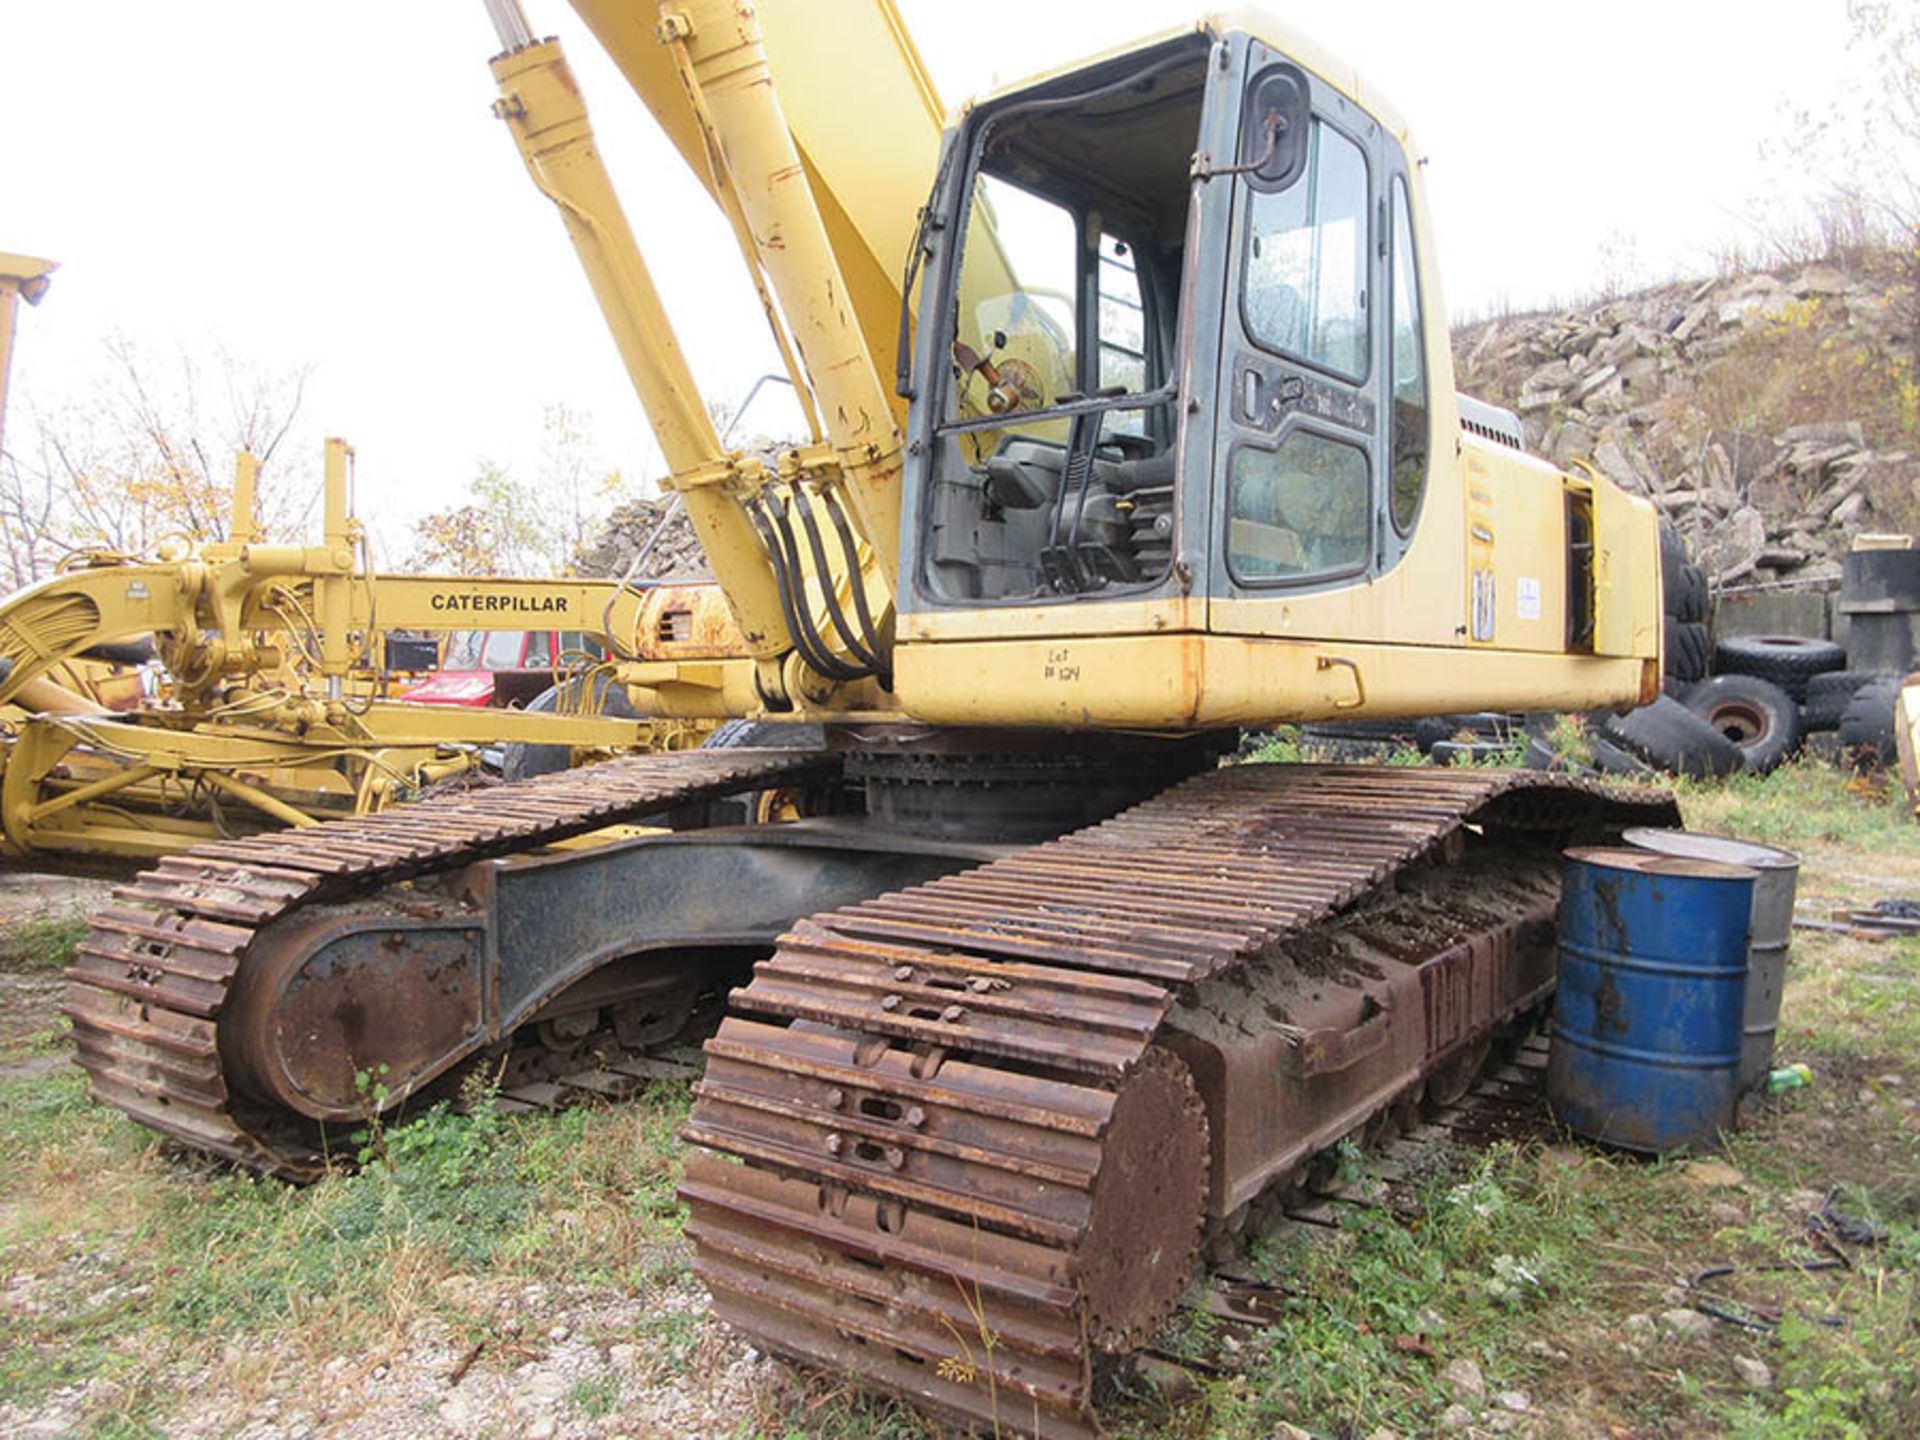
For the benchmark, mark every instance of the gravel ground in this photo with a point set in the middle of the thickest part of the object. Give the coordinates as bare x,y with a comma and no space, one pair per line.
553,1366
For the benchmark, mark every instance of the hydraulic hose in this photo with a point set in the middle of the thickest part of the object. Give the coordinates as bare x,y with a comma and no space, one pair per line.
855,646
862,612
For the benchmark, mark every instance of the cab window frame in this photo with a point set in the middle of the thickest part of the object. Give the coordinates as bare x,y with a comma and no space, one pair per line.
1400,220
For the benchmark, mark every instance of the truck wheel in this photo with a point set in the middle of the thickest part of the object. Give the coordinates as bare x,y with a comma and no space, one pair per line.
1693,601
1755,714
1670,737
782,802
765,735
1789,661
522,761
1683,584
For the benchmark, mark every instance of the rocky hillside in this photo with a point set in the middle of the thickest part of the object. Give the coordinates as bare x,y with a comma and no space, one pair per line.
1773,415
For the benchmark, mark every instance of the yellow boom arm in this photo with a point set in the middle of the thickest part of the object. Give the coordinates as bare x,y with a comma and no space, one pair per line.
806,549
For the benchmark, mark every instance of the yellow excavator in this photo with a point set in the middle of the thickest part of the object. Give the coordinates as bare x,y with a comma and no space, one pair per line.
1132,424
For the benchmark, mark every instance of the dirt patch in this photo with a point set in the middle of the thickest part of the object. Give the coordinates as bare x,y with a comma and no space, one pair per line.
31,897
29,1020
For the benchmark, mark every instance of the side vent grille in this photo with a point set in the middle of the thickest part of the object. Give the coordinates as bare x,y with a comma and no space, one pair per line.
676,627
1491,422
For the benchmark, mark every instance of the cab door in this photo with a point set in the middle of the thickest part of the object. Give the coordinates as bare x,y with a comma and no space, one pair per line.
1300,444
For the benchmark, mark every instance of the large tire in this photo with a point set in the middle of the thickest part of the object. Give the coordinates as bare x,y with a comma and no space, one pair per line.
1683,585
1755,714
1867,727
1789,661
1828,695
781,802
1688,650
1673,560
520,761
1693,601
1670,737
1610,759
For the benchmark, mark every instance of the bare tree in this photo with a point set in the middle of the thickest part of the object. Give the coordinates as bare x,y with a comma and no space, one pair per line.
146,451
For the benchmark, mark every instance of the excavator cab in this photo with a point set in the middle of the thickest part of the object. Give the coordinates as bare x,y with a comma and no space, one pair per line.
1183,445
1177,341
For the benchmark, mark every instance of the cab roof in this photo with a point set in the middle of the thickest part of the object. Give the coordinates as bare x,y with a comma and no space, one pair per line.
1261,25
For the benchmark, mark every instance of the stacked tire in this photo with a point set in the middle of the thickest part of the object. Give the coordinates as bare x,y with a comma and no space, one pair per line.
1867,725
1689,652
1746,703
1754,715
1666,736
1787,661
1758,694
1771,692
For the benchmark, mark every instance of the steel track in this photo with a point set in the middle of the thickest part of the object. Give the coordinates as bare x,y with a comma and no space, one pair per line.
933,1091
152,976
926,1088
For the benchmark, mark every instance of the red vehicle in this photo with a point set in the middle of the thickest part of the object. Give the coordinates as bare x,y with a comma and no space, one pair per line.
502,667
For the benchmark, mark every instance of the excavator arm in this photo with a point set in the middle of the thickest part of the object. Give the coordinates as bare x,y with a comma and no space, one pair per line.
806,544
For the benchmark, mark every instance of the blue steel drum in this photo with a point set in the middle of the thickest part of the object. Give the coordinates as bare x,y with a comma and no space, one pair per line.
1648,1017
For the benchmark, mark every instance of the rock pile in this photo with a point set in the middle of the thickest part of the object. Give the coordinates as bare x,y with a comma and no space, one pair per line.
624,532
1647,390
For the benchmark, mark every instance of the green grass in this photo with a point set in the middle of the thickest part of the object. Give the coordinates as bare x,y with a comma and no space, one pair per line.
42,945
177,1261
1804,803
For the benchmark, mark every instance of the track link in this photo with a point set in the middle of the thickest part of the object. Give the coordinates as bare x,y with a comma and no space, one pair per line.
969,1167
152,976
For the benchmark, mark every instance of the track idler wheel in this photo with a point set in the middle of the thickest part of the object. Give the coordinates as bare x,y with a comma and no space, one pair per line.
1450,1080
1149,1201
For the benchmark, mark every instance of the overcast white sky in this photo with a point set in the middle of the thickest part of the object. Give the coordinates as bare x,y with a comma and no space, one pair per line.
323,183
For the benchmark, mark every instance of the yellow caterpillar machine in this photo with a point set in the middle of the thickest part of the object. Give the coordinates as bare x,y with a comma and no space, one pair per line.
273,714
1037,996
272,717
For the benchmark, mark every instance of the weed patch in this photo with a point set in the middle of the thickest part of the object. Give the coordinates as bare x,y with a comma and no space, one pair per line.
42,945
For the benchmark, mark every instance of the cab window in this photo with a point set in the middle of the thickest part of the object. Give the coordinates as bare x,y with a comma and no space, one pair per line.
1298,511
1123,330
1018,316
1306,280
